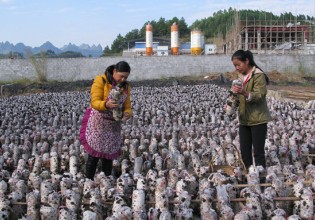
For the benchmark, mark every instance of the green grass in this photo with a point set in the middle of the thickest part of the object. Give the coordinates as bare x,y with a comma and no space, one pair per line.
25,81
17,81
311,75
301,70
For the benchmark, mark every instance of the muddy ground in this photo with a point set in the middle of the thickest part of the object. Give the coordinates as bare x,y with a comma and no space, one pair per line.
291,87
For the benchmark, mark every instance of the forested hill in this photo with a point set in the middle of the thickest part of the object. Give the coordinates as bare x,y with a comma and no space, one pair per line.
213,26
221,21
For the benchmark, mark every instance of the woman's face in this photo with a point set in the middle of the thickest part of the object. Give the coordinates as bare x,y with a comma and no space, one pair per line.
120,77
241,66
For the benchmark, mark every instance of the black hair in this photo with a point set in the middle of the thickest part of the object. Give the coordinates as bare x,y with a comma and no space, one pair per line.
242,55
121,66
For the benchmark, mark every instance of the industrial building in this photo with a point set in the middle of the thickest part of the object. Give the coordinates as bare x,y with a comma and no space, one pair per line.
210,49
258,36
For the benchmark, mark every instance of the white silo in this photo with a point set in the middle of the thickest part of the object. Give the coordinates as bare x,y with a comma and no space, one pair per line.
174,39
196,38
149,39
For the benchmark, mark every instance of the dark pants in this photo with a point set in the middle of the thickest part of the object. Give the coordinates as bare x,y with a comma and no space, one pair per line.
253,136
91,166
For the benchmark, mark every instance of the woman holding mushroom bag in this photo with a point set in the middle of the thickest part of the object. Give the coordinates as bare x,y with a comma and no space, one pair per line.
100,133
253,111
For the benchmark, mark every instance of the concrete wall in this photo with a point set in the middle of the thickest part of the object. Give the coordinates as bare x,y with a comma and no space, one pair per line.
151,67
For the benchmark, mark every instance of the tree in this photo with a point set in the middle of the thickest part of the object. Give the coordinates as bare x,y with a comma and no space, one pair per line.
106,51
50,53
39,63
12,55
134,34
70,54
183,29
117,45
161,28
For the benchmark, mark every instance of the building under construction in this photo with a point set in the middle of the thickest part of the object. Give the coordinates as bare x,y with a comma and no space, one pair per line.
287,37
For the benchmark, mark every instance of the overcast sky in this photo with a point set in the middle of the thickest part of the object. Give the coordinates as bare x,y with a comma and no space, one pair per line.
33,22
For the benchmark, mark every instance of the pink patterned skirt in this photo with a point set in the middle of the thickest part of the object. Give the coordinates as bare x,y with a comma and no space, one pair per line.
100,134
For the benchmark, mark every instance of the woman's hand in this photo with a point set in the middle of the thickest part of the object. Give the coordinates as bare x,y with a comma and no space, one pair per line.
111,104
239,90
126,116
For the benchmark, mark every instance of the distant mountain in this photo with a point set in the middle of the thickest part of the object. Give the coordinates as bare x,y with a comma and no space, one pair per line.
85,49
6,47
46,46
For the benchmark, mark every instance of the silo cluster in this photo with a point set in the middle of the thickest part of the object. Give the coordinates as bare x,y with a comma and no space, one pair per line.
196,37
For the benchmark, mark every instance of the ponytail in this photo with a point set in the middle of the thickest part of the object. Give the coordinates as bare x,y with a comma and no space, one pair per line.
267,79
110,69
109,73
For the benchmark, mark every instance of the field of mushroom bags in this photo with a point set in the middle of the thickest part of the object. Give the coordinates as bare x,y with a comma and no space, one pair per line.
163,172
